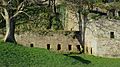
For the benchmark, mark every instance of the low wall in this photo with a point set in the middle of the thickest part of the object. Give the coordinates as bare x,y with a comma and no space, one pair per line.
66,42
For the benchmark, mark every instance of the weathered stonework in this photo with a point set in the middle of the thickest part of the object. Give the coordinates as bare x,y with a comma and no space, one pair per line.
37,40
98,38
72,20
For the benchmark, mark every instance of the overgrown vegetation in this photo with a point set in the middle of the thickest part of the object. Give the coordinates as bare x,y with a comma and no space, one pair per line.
41,18
19,56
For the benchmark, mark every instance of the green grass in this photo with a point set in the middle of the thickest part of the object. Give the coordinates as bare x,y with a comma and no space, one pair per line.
18,56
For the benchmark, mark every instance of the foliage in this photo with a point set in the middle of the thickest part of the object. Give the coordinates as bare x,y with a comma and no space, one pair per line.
40,19
56,24
94,16
40,15
62,11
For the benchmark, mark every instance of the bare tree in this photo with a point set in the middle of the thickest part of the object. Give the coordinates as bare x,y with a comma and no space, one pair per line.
9,12
83,7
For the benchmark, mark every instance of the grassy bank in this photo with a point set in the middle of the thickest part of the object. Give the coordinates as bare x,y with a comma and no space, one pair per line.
19,56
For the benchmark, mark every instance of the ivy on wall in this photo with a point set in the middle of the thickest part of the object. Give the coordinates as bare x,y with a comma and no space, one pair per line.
41,19
62,10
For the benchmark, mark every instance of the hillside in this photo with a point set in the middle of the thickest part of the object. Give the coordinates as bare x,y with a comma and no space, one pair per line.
19,56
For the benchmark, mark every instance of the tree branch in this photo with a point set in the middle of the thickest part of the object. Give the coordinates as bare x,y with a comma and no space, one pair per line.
4,3
6,12
20,6
3,15
9,1
19,13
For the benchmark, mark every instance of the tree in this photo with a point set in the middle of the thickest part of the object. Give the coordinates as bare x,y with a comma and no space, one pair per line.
52,5
113,8
9,9
83,12
83,7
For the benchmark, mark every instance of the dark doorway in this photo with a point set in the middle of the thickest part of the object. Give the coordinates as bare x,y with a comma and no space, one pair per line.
48,46
78,47
31,45
58,46
111,34
91,50
119,13
69,47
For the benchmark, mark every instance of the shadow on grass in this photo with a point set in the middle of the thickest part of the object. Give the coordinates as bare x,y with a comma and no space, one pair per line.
82,60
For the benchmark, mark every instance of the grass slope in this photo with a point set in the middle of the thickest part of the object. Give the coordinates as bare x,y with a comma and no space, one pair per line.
19,56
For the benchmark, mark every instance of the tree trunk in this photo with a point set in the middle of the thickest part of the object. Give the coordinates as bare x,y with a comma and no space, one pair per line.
80,29
54,7
83,31
10,29
49,3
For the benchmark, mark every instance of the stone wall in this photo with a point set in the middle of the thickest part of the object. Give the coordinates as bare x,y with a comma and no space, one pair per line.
28,38
71,19
103,38
71,24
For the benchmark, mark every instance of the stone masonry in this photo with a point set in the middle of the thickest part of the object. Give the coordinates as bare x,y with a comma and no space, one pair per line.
67,43
103,38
